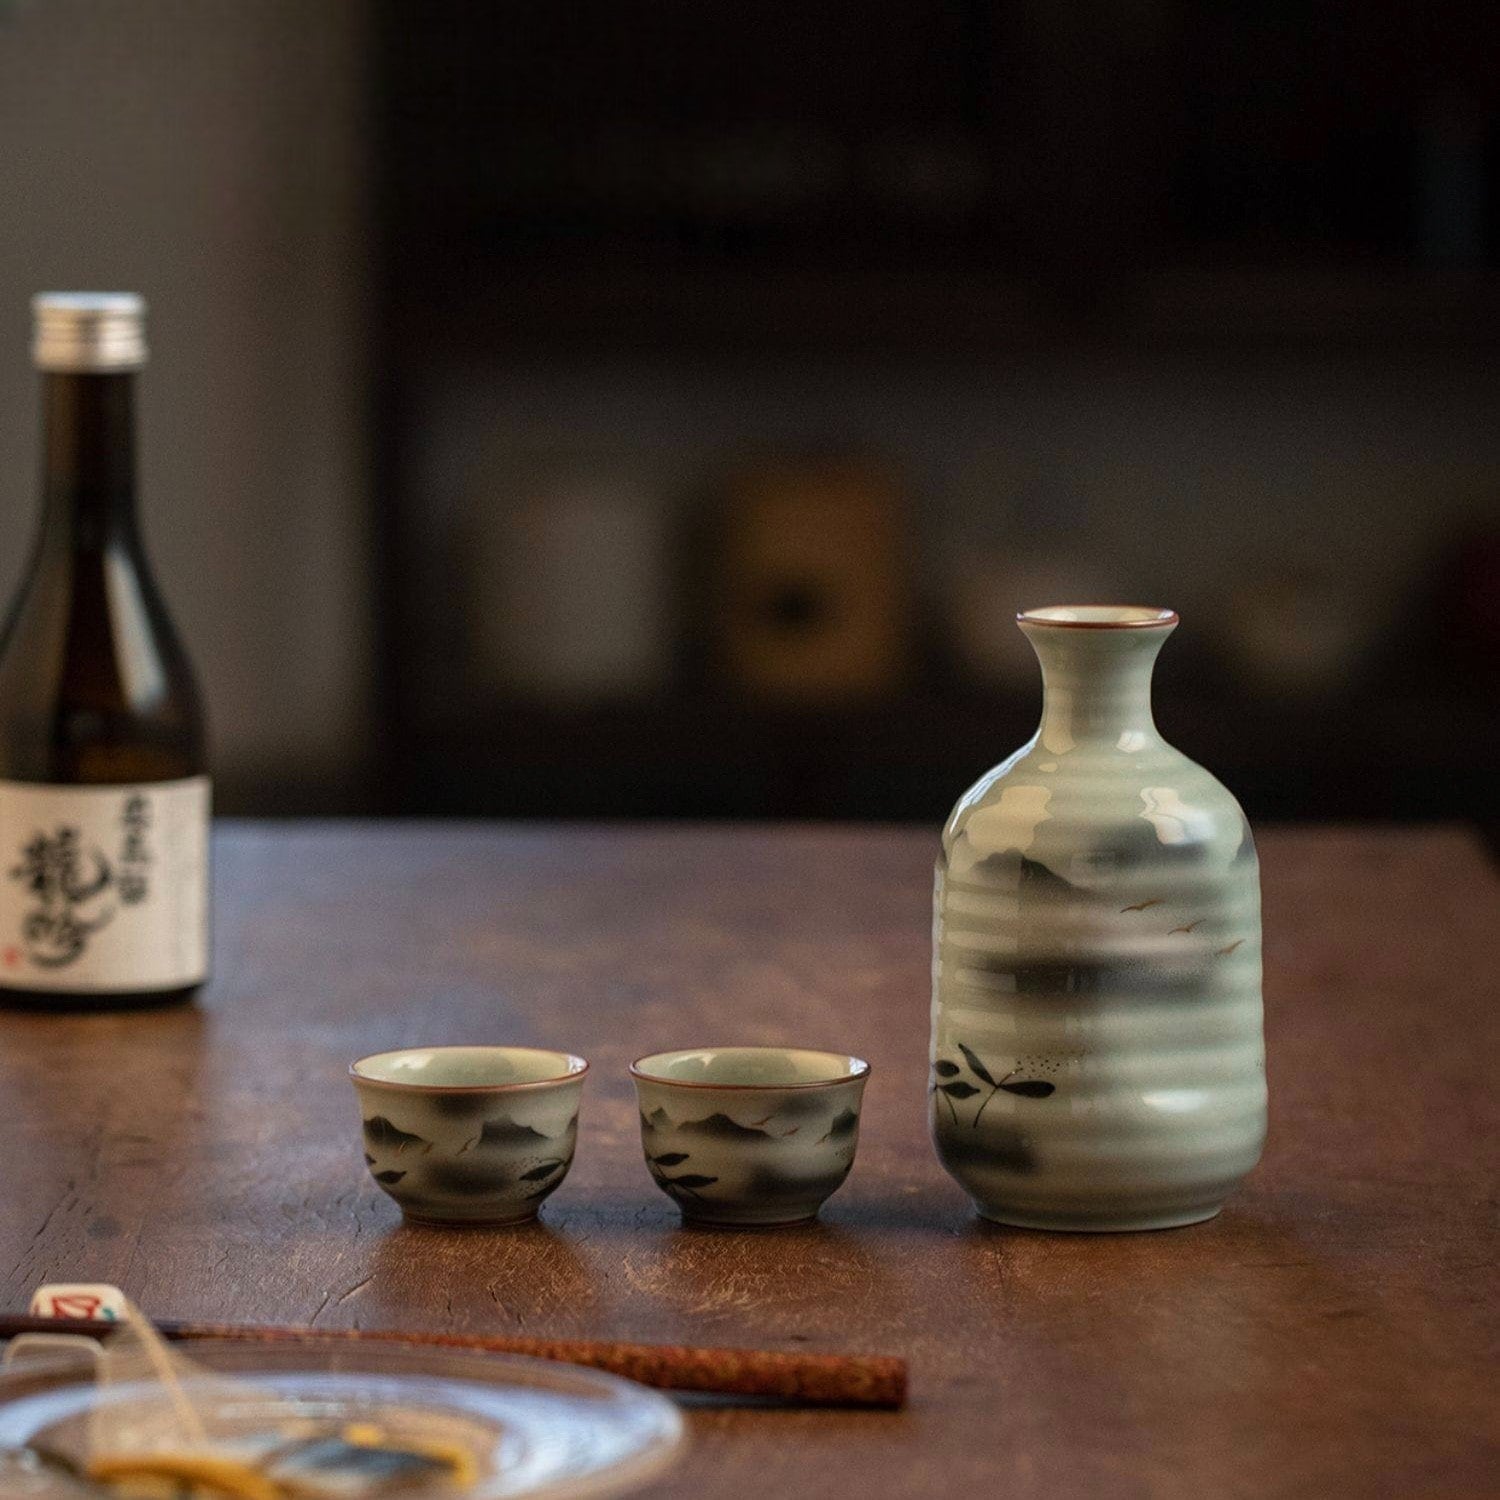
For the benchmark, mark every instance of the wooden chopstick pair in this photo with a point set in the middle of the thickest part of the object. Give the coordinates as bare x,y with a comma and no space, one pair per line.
859,1380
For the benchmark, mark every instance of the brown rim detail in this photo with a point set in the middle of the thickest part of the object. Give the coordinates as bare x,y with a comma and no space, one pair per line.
1160,618
861,1070
468,1088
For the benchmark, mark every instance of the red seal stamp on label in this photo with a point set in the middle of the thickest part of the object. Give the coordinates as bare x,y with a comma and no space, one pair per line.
95,1301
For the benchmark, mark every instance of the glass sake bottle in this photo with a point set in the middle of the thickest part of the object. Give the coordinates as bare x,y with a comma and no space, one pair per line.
104,788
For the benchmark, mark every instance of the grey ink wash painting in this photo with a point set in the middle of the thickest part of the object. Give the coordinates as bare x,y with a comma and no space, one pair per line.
749,1156
1097,1058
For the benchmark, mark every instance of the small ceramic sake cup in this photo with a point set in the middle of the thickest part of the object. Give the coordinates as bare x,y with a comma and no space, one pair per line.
749,1135
469,1135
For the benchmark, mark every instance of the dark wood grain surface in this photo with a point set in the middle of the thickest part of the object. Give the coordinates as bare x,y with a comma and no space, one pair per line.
1333,1333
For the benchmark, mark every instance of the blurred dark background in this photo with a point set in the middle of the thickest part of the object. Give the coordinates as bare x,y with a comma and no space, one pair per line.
653,408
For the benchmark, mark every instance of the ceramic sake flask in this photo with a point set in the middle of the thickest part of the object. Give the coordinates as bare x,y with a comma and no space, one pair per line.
1097,1056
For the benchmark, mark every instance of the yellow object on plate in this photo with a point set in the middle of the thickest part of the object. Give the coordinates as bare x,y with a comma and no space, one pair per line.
149,1476
362,1460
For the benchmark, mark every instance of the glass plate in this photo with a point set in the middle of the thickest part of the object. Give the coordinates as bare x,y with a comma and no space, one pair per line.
544,1429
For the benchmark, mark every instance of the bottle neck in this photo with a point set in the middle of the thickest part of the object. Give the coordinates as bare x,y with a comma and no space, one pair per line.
1096,687
88,462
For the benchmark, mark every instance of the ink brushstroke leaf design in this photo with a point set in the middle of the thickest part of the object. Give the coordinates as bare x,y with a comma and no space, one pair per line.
688,1182
958,1090
1029,1088
976,1067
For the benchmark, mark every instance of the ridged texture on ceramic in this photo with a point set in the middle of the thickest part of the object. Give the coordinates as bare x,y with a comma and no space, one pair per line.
1097,1047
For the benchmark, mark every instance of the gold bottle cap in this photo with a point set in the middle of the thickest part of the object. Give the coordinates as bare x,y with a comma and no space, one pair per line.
88,332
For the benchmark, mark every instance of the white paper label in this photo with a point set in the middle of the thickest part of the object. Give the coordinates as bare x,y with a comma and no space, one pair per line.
104,888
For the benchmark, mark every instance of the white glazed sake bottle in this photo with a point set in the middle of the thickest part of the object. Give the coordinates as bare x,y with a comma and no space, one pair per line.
1097,1048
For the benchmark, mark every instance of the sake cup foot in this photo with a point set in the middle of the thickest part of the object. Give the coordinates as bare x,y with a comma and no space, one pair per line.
437,1221
700,1221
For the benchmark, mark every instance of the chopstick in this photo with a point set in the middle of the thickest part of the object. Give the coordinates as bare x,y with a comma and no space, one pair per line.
861,1380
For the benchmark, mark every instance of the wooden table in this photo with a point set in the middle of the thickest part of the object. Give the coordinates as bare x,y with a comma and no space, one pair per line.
1331,1335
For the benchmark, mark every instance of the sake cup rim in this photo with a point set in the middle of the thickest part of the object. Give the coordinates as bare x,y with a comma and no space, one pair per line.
1120,617
854,1069
575,1068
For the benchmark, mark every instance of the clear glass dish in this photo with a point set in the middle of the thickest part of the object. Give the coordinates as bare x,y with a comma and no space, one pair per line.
539,1428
